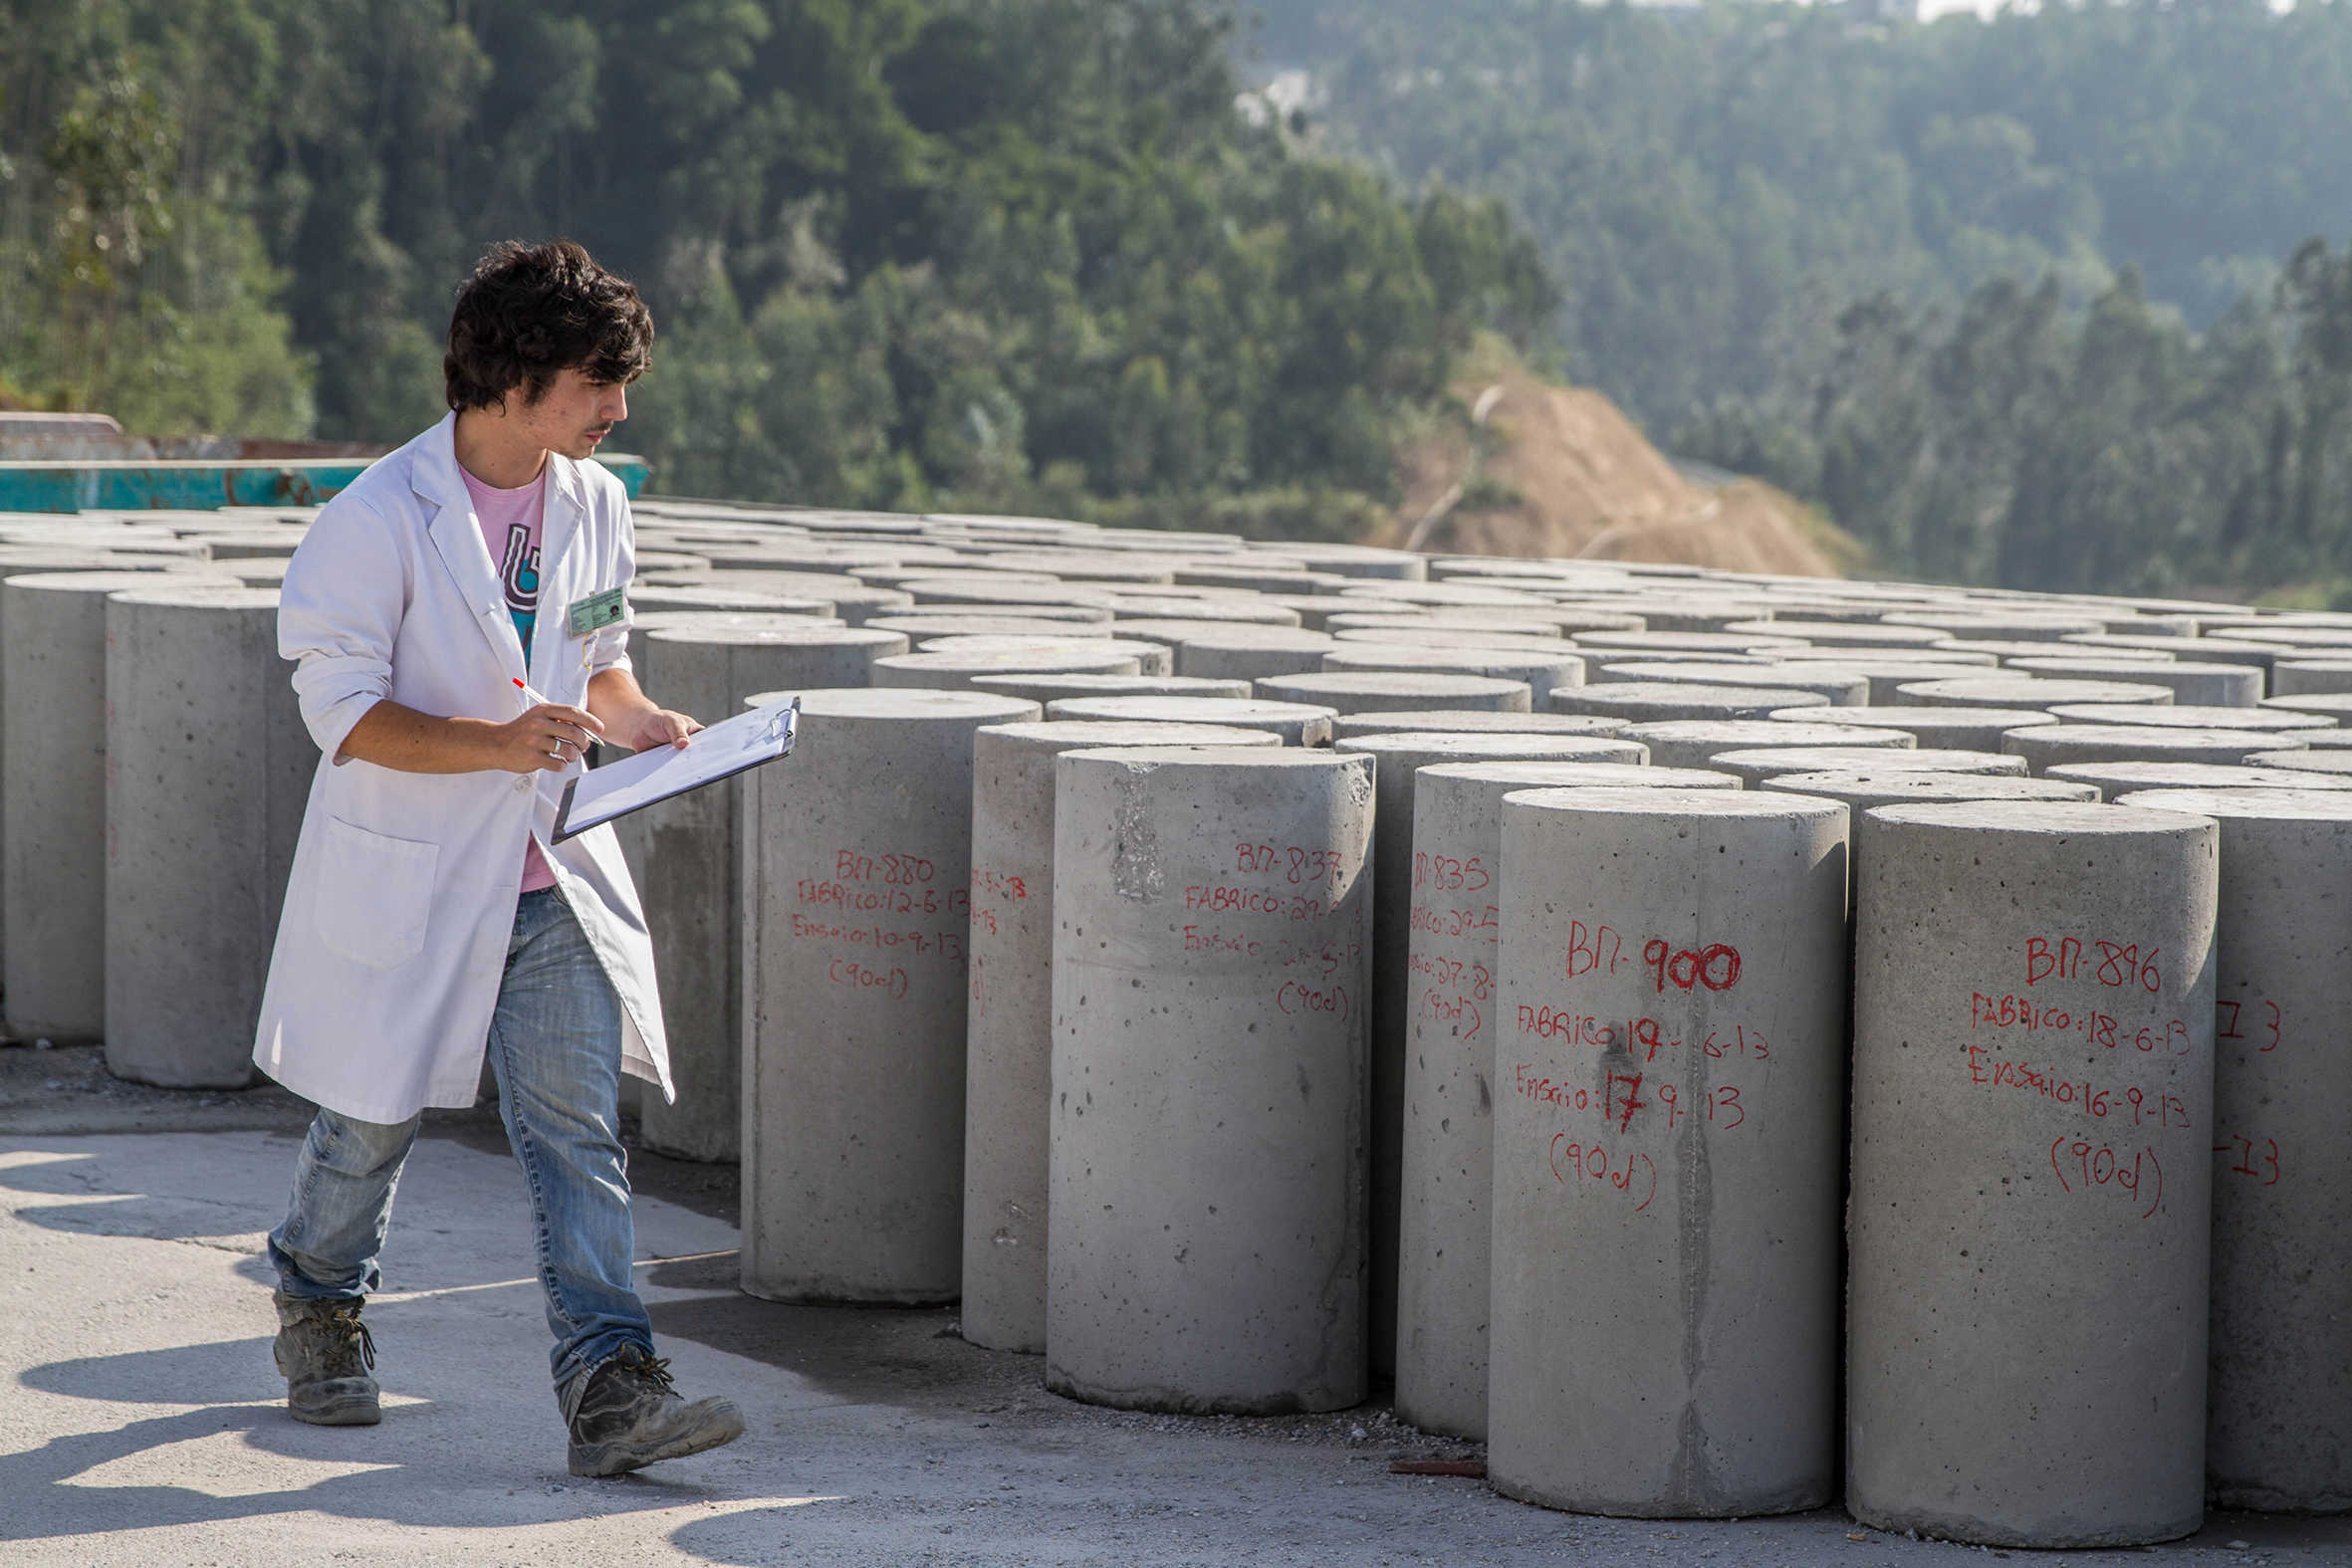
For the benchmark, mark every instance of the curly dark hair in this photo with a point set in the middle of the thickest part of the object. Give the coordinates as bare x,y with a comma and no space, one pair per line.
529,312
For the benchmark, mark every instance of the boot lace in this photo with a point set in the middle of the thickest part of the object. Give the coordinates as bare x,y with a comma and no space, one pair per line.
351,1340
652,1370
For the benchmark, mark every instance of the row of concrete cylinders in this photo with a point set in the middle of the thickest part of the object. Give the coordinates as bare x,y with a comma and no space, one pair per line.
927,969
1621,1079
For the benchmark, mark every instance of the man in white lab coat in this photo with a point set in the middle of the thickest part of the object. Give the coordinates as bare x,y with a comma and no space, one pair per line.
460,636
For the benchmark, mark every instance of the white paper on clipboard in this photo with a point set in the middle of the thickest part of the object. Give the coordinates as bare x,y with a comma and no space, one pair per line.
634,783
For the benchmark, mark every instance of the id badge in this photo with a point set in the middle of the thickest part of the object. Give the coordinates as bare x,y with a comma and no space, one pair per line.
595,612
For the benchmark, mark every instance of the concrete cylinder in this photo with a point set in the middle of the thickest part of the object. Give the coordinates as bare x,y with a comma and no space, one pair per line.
1463,721
1832,685
1209,1094
2026,690
1298,724
1373,691
1705,642
1670,1050
2201,684
1883,678
741,602
2303,761
2031,1188
2279,721
1938,728
2279,1429
1863,788
850,599
1656,702
1398,756
644,625
1447,1148
2048,747
1245,653
2310,677
1052,688
1971,626
53,798
2332,705
690,878
1149,659
1755,764
856,865
954,671
43,559
1008,1080
209,768
2117,778
1688,742
1542,671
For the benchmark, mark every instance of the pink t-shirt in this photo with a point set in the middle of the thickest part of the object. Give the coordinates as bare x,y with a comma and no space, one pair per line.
511,522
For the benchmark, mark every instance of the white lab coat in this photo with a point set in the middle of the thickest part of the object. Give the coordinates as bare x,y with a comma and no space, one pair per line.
401,901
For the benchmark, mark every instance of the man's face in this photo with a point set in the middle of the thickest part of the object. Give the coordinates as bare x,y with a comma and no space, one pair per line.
574,415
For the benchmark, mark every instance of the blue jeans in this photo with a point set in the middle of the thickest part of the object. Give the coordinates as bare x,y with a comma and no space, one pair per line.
555,1045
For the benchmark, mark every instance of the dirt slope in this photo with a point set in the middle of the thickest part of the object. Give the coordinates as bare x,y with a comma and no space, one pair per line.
1566,473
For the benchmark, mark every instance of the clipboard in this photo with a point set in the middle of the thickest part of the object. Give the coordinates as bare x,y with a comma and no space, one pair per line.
649,777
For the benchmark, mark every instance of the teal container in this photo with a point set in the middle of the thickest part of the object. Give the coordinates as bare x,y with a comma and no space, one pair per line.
199,485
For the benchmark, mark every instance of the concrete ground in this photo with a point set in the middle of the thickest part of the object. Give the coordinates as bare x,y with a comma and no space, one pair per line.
141,1421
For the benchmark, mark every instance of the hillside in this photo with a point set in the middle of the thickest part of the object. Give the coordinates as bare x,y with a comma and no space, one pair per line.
1561,471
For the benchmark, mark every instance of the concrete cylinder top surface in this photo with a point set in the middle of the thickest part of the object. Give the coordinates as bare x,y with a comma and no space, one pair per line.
1542,671
1865,787
2331,762
1399,691
1462,721
1398,755
1298,724
2184,717
1052,688
689,865
1669,1054
2027,691
954,671
53,798
2050,747
1656,702
1837,688
1212,929
746,601
2279,1429
2116,778
1938,728
1445,1159
1883,679
2033,1103
1756,764
1690,742
857,908
210,769
1009,1033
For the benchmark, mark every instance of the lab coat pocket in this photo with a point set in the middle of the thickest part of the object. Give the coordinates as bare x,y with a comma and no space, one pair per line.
374,894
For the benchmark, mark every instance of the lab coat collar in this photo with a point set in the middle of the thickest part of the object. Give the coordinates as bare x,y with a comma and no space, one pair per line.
457,536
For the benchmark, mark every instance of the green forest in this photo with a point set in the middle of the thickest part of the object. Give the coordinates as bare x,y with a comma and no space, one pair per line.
985,254
2043,301
2049,300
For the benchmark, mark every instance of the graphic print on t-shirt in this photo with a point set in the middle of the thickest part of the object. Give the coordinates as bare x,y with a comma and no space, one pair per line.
518,573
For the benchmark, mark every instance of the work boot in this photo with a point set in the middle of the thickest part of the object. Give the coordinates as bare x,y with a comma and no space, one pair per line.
326,1353
631,1416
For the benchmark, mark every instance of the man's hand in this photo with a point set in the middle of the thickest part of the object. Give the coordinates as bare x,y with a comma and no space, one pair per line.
631,718
547,739
654,727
